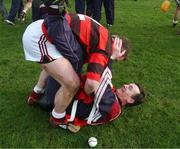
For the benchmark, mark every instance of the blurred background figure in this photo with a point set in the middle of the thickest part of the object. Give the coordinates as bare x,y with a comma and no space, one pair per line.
39,10
16,8
109,11
3,10
84,6
27,6
177,13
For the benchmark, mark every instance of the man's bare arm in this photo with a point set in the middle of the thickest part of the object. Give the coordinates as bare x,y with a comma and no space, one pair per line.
91,86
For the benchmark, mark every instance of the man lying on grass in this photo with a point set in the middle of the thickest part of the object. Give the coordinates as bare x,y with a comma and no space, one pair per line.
103,106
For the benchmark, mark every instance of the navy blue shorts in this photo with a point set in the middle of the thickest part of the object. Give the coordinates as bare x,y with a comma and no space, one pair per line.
64,40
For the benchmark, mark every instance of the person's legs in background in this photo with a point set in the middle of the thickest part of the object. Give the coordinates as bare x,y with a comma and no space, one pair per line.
43,11
109,10
15,6
176,15
97,4
39,10
89,7
3,10
20,9
35,10
80,6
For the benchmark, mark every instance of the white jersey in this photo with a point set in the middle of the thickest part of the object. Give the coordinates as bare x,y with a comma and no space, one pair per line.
36,47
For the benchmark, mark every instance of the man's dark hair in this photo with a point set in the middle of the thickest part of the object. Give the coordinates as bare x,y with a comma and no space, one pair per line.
138,98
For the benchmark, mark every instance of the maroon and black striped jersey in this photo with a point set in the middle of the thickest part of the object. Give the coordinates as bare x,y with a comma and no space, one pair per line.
96,41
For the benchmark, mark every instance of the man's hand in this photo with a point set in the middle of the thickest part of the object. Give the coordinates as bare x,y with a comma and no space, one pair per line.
118,52
73,128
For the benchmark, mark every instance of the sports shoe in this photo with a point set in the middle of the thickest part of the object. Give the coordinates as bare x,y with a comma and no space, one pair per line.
54,122
9,22
174,23
109,26
33,98
22,16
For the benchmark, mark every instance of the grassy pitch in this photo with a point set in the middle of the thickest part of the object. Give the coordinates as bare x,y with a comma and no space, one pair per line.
154,62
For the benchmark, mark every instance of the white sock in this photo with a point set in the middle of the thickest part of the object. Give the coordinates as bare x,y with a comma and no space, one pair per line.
175,22
38,89
58,115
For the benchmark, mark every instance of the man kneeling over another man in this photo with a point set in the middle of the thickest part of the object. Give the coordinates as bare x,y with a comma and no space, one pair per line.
98,99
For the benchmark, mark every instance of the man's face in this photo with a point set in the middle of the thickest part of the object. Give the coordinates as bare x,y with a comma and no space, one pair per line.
127,91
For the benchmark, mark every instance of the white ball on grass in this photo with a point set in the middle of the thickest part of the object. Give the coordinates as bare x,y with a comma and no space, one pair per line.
92,141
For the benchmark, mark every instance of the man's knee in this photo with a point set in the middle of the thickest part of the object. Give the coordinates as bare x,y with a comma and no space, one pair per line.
73,84
62,71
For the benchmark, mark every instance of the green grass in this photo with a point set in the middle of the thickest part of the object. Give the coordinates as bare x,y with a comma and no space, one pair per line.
154,62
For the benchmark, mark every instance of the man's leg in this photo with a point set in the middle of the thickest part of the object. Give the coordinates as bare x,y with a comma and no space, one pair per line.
38,90
89,7
80,6
109,10
21,7
35,11
3,10
47,100
97,4
15,5
62,71
176,15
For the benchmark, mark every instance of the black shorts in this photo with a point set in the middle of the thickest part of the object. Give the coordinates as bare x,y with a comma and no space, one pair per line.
65,41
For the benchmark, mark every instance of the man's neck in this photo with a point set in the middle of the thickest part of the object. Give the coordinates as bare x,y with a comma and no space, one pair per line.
120,101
